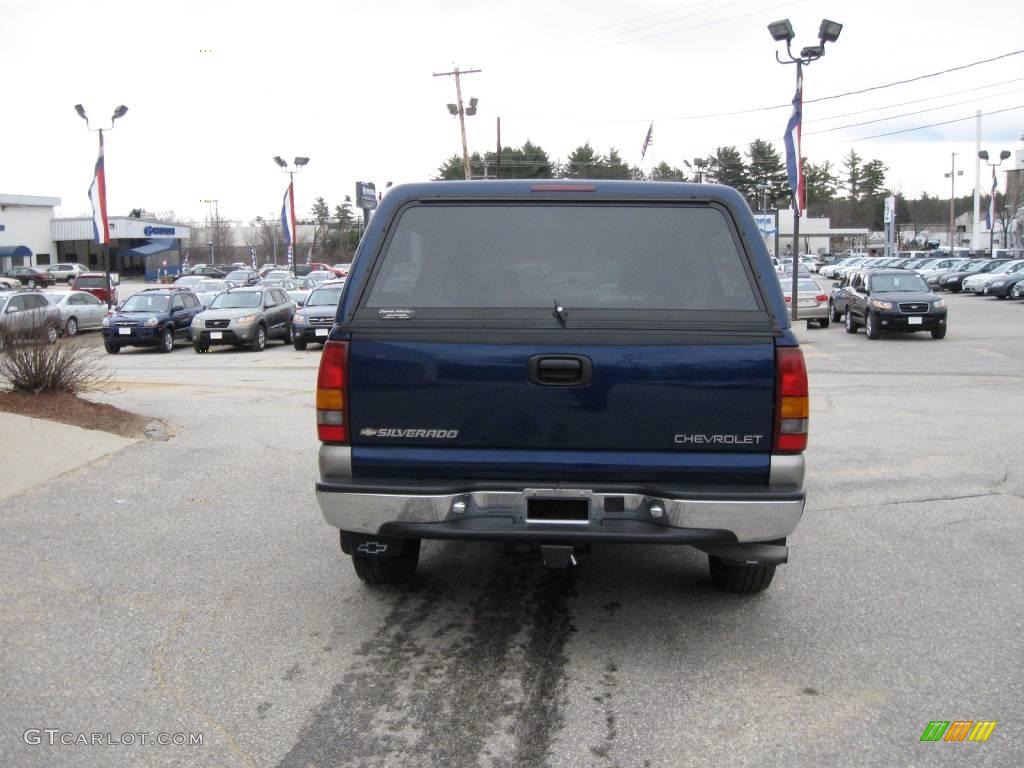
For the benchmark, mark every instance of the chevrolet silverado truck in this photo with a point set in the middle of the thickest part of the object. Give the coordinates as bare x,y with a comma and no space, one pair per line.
563,363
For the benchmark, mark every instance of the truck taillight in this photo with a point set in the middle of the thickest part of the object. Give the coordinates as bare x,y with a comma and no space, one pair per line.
791,404
332,394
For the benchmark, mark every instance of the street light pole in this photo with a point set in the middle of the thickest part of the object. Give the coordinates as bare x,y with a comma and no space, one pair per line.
828,32
298,163
983,155
118,112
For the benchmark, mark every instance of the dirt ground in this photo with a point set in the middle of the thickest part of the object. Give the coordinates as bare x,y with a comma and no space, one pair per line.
77,411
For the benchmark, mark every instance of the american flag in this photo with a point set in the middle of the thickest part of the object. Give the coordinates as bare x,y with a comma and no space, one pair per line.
990,214
648,140
794,170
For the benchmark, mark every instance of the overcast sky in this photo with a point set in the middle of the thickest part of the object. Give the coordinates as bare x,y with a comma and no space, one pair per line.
216,89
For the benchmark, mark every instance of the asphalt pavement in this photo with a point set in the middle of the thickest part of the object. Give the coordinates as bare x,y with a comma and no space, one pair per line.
188,585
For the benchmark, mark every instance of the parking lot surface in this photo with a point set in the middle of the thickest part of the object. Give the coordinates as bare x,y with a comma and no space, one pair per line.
189,585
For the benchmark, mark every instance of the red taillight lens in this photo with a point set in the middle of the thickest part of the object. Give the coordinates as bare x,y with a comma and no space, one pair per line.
821,297
791,402
332,394
786,298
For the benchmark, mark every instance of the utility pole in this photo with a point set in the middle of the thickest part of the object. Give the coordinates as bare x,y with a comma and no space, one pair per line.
952,196
461,112
497,171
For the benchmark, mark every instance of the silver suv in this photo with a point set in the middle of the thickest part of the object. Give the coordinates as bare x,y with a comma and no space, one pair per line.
23,313
244,316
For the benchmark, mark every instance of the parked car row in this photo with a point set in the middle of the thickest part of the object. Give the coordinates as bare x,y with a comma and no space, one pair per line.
237,315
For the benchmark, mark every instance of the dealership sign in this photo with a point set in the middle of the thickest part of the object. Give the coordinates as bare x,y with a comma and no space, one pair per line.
153,231
366,195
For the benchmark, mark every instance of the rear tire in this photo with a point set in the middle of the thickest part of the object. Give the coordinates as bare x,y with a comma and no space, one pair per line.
112,349
851,325
872,328
823,323
299,344
738,577
939,333
377,569
833,313
288,334
52,334
31,283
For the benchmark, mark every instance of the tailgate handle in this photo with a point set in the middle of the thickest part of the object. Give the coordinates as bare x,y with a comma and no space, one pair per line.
560,370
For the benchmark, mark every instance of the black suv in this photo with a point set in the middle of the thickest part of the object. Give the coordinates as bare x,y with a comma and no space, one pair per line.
893,300
154,317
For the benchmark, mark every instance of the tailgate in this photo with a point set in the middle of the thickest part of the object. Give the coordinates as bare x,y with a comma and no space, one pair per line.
485,411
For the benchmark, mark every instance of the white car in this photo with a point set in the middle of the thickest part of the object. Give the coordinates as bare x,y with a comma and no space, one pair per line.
79,310
207,290
976,283
67,271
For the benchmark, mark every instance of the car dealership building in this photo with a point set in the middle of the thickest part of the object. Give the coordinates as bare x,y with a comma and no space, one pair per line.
32,236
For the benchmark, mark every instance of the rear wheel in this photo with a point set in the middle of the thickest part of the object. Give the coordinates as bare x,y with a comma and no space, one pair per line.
833,313
288,334
383,569
740,577
872,327
52,334
299,344
939,333
31,283
71,327
112,349
823,323
851,326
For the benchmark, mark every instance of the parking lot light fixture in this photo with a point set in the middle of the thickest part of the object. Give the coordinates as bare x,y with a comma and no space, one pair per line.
782,31
983,155
118,112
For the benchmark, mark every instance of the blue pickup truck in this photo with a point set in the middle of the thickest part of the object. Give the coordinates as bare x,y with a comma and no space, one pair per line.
563,363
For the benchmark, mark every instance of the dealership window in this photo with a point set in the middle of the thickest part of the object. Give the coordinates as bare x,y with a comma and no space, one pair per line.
42,258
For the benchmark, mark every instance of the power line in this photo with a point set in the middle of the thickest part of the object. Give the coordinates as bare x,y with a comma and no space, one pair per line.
909,114
934,125
789,105
585,43
913,101
584,48
624,22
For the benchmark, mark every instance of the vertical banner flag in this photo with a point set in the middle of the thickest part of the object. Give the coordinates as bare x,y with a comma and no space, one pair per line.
794,167
990,214
648,140
288,216
98,198
252,255
184,266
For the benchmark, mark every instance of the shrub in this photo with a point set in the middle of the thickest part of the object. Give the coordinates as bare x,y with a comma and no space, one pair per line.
30,363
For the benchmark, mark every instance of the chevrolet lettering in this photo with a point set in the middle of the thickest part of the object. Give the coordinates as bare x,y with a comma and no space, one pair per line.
555,332
718,439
